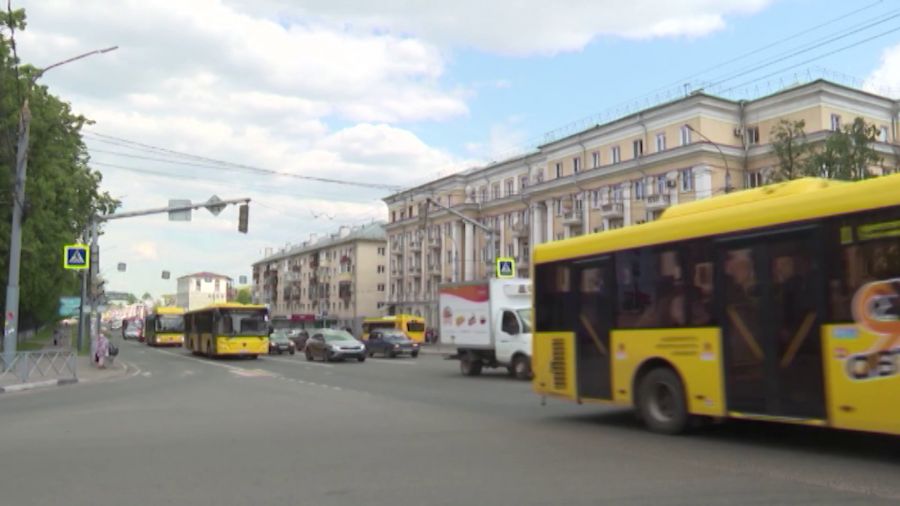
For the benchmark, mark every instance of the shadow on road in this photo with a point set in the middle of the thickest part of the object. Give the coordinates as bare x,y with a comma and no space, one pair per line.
815,441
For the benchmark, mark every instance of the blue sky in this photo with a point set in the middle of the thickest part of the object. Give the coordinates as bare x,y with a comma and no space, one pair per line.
389,92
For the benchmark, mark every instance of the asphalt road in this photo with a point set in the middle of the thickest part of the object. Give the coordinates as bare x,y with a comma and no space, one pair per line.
190,431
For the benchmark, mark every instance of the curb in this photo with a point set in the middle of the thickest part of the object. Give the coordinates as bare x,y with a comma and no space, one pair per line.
38,384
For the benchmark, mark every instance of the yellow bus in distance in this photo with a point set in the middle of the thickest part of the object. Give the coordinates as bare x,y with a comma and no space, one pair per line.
778,303
164,326
413,326
228,329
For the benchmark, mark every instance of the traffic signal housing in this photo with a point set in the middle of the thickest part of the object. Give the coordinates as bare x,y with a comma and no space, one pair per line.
243,218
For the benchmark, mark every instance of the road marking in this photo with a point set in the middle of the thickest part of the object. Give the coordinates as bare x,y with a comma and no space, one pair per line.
393,361
298,362
146,374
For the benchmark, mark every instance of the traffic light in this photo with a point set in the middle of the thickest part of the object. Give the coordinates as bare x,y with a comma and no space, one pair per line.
243,218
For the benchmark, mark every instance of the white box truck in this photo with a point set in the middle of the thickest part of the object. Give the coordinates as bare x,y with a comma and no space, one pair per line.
489,323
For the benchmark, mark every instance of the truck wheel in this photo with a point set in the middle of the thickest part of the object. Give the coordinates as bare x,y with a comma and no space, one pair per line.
661,402
521,367
470,365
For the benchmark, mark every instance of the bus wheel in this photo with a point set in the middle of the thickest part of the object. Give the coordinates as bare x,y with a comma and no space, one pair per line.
661,401
469,365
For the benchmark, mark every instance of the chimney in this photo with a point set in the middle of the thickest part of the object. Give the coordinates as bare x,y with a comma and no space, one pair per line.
344,231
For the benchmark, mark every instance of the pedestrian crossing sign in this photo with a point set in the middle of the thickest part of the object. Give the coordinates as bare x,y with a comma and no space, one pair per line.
76,256
506,267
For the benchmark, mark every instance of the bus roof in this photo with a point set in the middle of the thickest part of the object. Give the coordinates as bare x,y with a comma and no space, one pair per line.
798,200
168,310
391,318
228,305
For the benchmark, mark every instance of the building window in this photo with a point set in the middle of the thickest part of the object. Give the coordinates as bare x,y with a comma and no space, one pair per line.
216,286
381,251
618,194
685,135
616,154
754,179
835,122
380,269
559,169
380,287
509,250
661,184
495,190
753,135
539,177
639,189
660,142
687,179
595,159
560,236
883,134
510,187
393,216
557,205
595,199
523,183
638,147
482,192
197,285
576,164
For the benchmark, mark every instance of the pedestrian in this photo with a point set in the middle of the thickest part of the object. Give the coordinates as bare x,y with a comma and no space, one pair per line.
102,352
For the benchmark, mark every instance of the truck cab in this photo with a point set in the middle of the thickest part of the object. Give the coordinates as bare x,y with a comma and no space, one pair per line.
513,340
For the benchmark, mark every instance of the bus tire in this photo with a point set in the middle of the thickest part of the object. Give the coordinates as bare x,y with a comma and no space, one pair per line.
661,402
469,365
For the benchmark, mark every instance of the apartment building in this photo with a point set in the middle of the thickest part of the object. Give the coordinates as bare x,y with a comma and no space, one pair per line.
202,289
615,174
332,281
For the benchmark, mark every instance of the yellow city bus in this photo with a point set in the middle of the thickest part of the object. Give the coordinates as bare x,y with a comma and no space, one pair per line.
413,326
228,330
164,326
780,303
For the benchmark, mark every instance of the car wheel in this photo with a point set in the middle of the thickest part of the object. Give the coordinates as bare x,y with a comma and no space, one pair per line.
521,367
414,354
291,352
361,358
309,357
390,354
661,401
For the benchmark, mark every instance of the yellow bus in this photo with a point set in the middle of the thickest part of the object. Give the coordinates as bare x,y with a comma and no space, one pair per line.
413,326
228,330
780,303
164,326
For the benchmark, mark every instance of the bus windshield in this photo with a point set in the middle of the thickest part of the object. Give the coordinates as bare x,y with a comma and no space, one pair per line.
243,323
170,323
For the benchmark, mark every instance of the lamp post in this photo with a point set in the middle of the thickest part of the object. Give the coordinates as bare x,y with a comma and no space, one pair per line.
11,314
728,187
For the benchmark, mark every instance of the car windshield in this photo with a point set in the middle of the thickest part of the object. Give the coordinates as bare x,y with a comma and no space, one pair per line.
525,316
244,322
279,336
170,323
337,335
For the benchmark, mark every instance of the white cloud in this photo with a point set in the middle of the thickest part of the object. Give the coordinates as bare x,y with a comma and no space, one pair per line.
525,26
505,139
145,250
885,79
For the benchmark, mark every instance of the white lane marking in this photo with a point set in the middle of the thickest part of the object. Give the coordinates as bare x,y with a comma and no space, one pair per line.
297,361
146,374
198,359
393,361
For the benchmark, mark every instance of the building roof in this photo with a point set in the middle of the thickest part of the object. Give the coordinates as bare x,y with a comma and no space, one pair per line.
371,232
205,274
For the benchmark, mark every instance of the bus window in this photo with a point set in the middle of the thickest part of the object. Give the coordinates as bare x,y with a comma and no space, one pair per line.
651,289
415,327
700,285
243,323
552,301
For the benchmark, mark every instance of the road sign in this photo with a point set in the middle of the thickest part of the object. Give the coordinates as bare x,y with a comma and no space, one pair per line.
184,215
506,267
166,274
242,280
213,206
76,256
121,267
68,306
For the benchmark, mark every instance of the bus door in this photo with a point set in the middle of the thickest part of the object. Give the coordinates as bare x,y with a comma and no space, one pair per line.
771,304
593,311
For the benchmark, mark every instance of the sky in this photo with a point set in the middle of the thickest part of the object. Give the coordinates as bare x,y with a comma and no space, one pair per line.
200,94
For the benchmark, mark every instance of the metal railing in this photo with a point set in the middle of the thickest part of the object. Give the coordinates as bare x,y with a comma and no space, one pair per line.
28,366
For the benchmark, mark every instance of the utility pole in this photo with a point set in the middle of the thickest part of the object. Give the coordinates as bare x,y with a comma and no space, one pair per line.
11,315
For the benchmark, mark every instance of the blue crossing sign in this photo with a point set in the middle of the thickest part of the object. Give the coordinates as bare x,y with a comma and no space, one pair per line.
506,267
76,256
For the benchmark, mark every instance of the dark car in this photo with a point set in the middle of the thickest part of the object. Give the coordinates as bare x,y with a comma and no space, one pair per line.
299,338
391,343
332,344
280,343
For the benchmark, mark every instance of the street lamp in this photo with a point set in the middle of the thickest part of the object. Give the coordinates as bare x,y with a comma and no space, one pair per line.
11,314
728,187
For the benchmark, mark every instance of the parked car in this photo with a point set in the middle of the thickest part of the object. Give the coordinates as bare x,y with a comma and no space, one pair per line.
299,337
279,343
391,343
332,344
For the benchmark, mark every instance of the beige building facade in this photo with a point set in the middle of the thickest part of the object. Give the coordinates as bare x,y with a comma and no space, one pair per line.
623,172
332,281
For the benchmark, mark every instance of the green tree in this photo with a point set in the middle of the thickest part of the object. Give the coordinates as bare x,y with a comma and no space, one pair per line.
146,296
61,191
131,299
789,145
847,154
243,296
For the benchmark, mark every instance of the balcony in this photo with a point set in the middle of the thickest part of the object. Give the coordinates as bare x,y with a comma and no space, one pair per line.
324,272
434,269
345,277
573,217
657,202
520,229
612,210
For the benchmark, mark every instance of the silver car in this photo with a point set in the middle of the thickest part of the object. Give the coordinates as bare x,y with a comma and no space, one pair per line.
332,344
